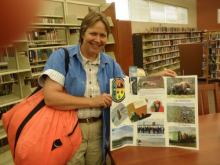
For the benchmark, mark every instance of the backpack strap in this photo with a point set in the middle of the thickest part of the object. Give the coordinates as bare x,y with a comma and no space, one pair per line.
67,59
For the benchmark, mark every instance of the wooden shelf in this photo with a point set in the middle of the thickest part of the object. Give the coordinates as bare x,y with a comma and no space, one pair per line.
9,99
110,39
155,47
47,27
3,64
38,61
54,24
145,54
111,54
37,66
36,74
159,60
27,41
48,47
7,82
49,16
6,158
167,33
149,69
2,133
83,3
10,71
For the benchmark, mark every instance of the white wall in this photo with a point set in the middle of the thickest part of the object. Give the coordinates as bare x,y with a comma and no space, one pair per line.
49,8
140,27
81,10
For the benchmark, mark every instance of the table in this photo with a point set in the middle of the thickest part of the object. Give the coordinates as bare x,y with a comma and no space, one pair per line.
208,153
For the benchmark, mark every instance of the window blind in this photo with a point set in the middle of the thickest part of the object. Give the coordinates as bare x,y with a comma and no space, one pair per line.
150,11
139,10
171,14
182,15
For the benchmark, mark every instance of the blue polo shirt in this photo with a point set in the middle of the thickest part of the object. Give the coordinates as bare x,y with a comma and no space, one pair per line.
75,81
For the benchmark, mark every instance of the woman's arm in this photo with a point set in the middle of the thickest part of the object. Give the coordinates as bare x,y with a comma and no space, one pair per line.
55,98
167,72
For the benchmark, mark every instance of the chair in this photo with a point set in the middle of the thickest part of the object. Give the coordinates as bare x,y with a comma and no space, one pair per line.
203,106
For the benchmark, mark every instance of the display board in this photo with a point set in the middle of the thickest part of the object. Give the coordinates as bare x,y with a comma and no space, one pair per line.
154,111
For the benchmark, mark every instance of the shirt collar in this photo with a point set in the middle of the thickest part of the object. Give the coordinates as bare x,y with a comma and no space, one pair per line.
85,60
76,52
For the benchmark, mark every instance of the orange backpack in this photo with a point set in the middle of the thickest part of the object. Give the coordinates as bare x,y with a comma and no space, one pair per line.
38,134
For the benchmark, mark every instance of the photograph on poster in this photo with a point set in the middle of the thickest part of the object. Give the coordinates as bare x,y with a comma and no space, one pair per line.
151,127
138,110
157,106
133,82
122,136
182,136
119,114
181,87
181,112
133,79
150,82
156,142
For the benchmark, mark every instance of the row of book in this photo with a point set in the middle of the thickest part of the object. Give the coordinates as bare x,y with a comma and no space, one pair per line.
170,61
170,55
215,75
160,57
49,20
212,52
8,78
204,44
6,89
155,65
212,36
173,29
36,55
213,67
214,44
159,43
6,52
5,109
32,83
37,70
163,49
189,40
50,37
169,36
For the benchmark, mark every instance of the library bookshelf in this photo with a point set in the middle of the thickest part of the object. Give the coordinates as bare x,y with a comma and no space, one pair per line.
211,55
159,50
21,62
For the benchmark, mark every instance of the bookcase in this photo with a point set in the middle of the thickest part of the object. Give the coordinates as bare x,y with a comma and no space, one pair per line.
211,55
159,50
21,62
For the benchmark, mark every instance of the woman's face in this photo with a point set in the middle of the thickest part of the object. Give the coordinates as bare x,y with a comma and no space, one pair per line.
94,39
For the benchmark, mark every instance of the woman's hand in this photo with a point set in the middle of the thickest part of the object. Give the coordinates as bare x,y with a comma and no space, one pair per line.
167,72
104,100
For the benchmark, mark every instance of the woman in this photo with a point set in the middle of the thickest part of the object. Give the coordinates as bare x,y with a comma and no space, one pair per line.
87,85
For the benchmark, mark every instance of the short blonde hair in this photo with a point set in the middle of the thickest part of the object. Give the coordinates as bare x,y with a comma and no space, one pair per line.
89,20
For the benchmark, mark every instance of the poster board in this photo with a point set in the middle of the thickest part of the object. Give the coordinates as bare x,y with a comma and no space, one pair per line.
162,112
